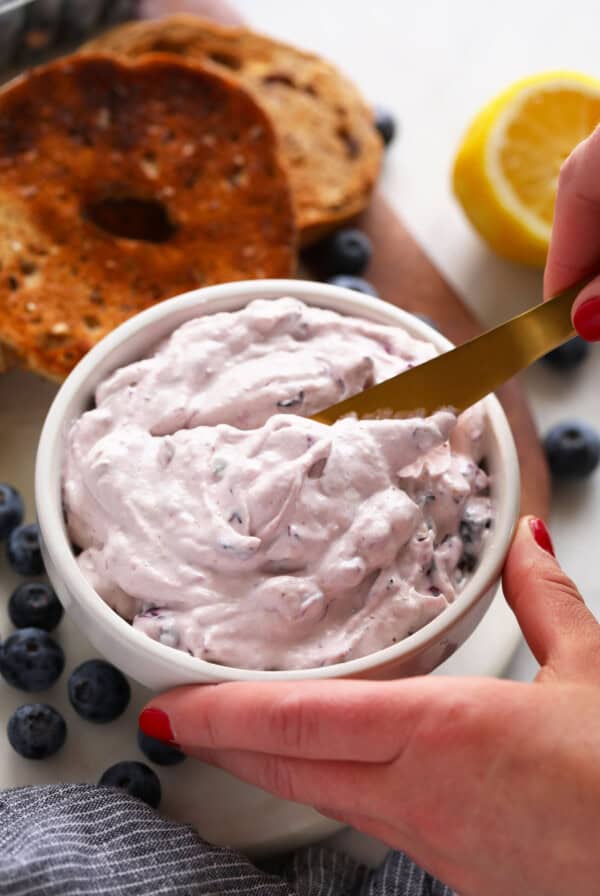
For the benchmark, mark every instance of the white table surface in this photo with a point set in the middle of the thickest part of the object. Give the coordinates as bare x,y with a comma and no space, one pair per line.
434,63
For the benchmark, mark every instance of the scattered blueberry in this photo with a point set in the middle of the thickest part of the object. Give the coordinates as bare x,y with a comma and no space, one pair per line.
134,778
347,251
31,660
572,449
568,355
356,283
36,730
23,550
12,510
385,123
98,691
34,604
157,751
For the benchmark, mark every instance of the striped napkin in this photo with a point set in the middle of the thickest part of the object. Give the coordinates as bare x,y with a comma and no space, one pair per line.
82,840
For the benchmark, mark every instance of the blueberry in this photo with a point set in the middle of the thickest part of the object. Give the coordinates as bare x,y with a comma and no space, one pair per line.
347,251
35,604
385,123
356,283
12,510
98,691
568,355
23,550
36,730
157,751
31,660
572,449
472,530
134,778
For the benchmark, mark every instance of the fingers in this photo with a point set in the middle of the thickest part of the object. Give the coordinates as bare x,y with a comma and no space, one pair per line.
310,719
448,739
574,252
348,788
450,756
560,630
339,721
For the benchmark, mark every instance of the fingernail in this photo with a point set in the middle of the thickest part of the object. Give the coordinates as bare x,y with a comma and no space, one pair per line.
587,319
156,723
541,535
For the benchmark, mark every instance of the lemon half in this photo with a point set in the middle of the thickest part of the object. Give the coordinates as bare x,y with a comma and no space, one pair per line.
506,170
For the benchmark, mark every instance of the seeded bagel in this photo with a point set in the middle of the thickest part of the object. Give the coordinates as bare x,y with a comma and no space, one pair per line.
327,140
123,183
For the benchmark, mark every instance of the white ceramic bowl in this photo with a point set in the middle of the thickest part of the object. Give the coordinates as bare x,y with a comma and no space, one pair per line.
158,666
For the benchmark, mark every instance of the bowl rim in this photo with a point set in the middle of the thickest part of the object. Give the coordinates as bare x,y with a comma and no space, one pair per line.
84,379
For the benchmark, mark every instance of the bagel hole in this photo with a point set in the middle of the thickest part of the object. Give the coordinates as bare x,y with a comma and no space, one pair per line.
132,219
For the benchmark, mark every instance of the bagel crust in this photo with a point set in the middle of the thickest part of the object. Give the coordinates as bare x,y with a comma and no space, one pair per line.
124,183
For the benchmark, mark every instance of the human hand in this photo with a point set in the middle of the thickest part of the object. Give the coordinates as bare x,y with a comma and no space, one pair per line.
575,245
492,786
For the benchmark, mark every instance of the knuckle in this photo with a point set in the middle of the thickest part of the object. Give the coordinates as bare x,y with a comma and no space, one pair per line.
448,727
560,586
293,724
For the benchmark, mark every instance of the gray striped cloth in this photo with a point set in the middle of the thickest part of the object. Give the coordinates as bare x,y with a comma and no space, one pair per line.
82,840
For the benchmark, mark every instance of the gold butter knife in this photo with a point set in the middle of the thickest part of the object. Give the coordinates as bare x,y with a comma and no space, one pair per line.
462,376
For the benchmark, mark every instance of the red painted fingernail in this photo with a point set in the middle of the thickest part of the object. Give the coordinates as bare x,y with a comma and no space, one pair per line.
587,319
542,536
155,723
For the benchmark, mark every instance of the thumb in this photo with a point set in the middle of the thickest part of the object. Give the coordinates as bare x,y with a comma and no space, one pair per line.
574,251
562,633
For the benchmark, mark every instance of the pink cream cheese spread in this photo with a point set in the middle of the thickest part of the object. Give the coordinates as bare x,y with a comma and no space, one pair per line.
217,519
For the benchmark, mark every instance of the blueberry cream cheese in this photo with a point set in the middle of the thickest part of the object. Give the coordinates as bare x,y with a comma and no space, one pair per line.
219,520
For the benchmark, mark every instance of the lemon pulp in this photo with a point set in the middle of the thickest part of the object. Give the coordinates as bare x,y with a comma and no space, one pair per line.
506,170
